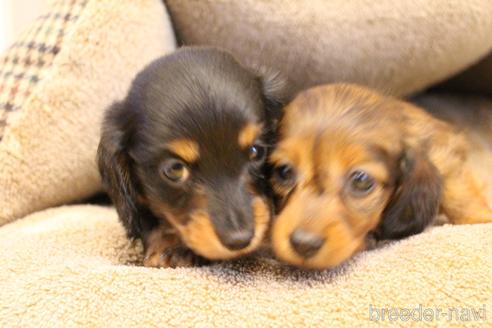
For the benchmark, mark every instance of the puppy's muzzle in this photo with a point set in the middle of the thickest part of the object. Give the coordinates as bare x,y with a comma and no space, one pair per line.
305,244
234,226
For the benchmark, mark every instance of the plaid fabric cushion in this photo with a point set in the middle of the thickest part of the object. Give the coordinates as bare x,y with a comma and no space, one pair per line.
25,63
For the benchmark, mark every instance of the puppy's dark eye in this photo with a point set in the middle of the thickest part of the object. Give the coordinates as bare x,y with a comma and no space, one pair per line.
284,174
360,183
174,170
257,153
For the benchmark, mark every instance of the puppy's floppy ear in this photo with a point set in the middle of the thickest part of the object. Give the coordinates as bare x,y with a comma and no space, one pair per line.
115,166
276,92
415,201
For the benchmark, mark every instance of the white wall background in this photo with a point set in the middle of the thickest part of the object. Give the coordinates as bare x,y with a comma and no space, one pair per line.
15,16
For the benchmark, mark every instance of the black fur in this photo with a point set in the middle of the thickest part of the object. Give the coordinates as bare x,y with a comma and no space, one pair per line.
202,94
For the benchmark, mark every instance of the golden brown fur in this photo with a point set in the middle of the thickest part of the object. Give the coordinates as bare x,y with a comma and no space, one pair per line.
186,149
350,161
248,135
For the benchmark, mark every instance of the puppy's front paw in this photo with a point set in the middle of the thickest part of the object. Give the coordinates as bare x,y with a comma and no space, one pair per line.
174,257
164,249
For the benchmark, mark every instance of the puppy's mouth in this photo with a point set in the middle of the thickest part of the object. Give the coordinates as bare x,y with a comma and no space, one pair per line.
327,249
198,233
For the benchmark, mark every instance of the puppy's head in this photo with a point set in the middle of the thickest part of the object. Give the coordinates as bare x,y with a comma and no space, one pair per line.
188,145
344,166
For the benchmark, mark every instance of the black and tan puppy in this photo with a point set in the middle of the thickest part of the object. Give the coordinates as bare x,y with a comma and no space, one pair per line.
183,156
350,161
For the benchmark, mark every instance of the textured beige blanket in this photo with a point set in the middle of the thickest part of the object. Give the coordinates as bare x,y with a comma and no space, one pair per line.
73,266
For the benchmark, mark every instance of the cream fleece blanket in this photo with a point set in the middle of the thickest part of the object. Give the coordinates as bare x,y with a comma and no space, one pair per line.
73,266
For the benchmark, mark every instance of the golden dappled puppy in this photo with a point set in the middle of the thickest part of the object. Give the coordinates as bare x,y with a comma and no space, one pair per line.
350,162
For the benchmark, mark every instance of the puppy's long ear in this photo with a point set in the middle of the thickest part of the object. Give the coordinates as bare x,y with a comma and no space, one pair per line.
416,199
115,166
276,93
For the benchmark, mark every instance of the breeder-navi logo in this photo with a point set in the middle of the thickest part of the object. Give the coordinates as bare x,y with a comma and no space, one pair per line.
428,314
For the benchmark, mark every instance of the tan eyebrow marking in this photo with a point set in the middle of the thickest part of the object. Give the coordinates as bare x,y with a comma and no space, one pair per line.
248,134
186,149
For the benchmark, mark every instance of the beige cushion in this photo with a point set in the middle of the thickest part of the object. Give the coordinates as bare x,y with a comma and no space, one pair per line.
397,46
475,79
72,266
47,154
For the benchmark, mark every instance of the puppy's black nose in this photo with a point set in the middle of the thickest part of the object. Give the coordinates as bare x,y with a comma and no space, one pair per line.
305,243
236,240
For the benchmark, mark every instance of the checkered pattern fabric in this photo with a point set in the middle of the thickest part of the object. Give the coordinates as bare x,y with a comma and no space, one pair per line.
25,63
